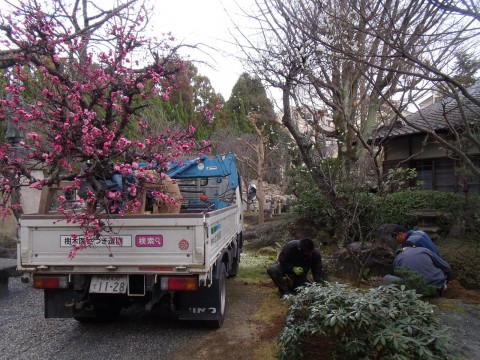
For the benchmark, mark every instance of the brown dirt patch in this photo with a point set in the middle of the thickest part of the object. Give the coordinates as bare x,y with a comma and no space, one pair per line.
457,291
254,318
319,348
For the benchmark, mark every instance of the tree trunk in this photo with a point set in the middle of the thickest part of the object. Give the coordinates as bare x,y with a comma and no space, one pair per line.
261,203
260,190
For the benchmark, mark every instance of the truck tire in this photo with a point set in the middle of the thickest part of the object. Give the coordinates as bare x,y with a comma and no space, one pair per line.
221,280
236,260
235,264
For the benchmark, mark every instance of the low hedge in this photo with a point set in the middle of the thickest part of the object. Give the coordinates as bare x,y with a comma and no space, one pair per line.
389,209
463,255
393,208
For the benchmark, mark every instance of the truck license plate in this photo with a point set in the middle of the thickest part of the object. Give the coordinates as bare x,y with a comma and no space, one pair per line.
109,284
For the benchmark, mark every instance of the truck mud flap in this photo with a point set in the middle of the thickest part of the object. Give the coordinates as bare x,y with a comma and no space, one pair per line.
199,305
56,303
208,303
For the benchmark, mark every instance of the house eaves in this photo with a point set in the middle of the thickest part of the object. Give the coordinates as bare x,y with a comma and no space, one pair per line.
440,117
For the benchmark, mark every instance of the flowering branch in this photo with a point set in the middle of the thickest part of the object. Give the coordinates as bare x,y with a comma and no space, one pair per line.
75,106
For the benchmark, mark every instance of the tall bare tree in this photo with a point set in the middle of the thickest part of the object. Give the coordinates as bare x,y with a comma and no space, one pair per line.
447,67
348,59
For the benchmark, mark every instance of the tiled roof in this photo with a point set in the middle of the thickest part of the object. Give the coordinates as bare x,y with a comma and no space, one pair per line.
434,117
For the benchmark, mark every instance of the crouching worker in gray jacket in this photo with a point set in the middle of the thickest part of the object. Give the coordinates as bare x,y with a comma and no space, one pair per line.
425,262
295,260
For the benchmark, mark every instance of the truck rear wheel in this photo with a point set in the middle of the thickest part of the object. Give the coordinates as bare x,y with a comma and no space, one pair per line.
236,260
221,297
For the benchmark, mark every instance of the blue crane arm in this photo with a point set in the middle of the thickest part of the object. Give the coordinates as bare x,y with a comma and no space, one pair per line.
204,166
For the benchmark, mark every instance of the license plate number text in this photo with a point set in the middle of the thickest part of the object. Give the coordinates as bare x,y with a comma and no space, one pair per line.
108,284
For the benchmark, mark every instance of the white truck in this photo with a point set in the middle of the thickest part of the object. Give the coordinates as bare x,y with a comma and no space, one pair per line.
175,260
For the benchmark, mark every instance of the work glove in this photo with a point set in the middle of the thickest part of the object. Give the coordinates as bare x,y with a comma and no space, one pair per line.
298,270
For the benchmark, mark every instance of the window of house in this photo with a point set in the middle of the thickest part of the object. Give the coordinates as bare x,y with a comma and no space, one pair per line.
474,186
441,175
444,175
436,174
425,173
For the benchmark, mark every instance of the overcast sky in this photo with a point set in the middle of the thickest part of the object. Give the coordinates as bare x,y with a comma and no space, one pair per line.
205,21
200,21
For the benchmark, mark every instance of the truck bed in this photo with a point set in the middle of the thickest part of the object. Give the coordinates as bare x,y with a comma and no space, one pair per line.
139,243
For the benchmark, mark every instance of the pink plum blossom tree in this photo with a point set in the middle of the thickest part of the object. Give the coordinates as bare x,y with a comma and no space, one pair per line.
76,83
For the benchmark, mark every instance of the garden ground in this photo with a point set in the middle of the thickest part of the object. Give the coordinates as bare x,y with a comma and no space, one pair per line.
255,318
256,315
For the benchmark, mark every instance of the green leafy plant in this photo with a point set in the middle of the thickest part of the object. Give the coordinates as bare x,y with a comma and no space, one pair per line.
312,204
387,322
462,255
401,179
394,208
414,281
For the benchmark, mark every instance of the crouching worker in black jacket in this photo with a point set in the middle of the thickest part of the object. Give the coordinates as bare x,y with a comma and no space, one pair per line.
295,260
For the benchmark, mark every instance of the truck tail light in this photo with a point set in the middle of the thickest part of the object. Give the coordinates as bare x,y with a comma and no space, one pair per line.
50,282
179,283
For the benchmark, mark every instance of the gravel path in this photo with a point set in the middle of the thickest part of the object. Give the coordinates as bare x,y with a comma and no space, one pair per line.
26,334
464,322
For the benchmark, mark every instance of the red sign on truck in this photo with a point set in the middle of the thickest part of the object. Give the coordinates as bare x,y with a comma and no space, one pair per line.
148,240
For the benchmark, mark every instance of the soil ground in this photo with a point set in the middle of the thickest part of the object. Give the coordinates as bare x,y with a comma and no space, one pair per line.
255,318
459,309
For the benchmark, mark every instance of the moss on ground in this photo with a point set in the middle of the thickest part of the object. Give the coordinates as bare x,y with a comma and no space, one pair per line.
253,268
272,312
447,305
271,307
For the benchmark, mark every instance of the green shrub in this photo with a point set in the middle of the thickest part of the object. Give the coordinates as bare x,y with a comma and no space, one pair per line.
383,323
463,255
313,205
393,208
359,213
273,232
376,209
414,281
401,179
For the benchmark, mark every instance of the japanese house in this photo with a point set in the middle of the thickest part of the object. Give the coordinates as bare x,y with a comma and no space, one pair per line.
409,143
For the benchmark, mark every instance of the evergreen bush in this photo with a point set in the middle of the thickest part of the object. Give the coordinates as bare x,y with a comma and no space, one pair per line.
393,208
314,206
387,322
463,255
384,209
414,281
